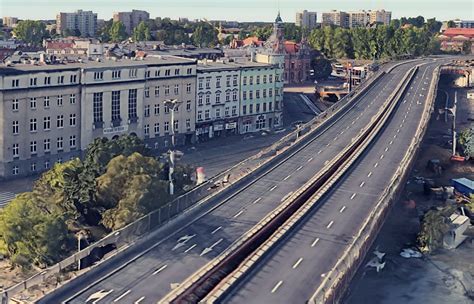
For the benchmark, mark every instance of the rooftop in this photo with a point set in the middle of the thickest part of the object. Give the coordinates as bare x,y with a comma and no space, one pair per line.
210,66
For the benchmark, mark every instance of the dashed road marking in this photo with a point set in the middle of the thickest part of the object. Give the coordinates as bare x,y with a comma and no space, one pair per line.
277,286
342,209
257,200
239,213
315,242
122,295
297,263
353,195
272,188
139,300
330,224
361,184
190,248
309,159
217,229
370,174
159,269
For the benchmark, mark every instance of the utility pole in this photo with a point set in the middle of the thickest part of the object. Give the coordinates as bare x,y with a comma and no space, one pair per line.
173,105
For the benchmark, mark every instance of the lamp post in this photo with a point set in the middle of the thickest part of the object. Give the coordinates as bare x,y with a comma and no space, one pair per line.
453,112
172,104
79,237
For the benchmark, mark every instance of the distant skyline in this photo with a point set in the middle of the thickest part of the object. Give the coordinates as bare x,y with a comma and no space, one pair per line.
240,10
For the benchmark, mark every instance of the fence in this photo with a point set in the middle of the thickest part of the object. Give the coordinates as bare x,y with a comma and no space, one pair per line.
337,279
240,174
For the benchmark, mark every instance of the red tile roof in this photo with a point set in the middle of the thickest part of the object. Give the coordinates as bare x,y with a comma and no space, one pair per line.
252,40
59,45
467,32
291,47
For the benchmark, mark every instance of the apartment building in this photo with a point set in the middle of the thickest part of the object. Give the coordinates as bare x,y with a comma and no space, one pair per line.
9,21
359,19
131,19
50,113
463,23
83,21
380,16
217,99
337,18
307,20
261,91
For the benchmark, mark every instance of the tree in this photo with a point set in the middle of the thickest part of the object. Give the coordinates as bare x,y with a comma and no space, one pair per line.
434,226
263,33
104,32
433,26
141,32
30,31
117,32
292,32
466,140
322,68
130,188
451,24
28,235
466,47
205,35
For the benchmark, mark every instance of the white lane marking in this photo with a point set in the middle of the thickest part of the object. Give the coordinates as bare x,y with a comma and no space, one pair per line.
209,249
398,130
217,229
299,168
239,213
353,195
139,300
286,178
160,269
330,224
297,263
352,122
381,156
386,149
272,188
310,159
376,165
122,295
277,286
361,184
370,174
342,132
335,138
315,242
395,136
401,125
190,248
342,209
257,200
319,152
391,142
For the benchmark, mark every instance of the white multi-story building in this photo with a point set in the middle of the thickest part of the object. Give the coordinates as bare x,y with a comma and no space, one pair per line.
380,16
50,113
359,19
10,21
337,18
83,21
464,23
307,20
131,19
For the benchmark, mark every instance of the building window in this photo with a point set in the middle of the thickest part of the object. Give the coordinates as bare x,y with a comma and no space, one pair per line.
147,92
147,111
47,123
176,71
16,150
15,170
72,141
157,73
200,100
244,95
98,75
176,126
33,167
33,82
251,109
33,125
176,89
250,95
157,109
72,120
208,83
270,92
188,88
199,116
188,105
15,105
33,147
234,95
270,105
47,145
15,83
218,97
167,109
16,127
264,93
257,94
264,78
46,102
227,96
227,83
60,160
59,144
167,90
264,107
235,80
270,78
157,129
60,100
218,82
146,130
167,126
189,71
132,103
73,78
33,103
116,74
257,108
133,73
244,109
226,112
218,113
258,79
115,105
60,121
260,123
251,80
188,124
208,99
47,164
244,81
234,110
60,79
47,80
167,72
72,98
97,114
200,83
207,115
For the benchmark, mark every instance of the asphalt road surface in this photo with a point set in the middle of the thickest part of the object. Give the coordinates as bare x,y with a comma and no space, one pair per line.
291,271
151,275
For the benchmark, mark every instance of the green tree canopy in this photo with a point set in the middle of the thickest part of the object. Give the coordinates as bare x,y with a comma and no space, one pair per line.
205,35
28,235
322,67
141,32
117,32
30,31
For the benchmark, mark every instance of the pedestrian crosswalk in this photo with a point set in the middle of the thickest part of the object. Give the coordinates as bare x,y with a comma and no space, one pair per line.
5,198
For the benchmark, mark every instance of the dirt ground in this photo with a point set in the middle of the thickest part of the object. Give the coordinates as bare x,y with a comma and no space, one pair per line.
443,277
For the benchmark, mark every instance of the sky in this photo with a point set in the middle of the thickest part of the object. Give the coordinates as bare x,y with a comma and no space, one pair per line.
237,10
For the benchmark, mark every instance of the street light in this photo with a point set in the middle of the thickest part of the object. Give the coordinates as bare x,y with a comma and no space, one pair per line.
172,104
453,112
